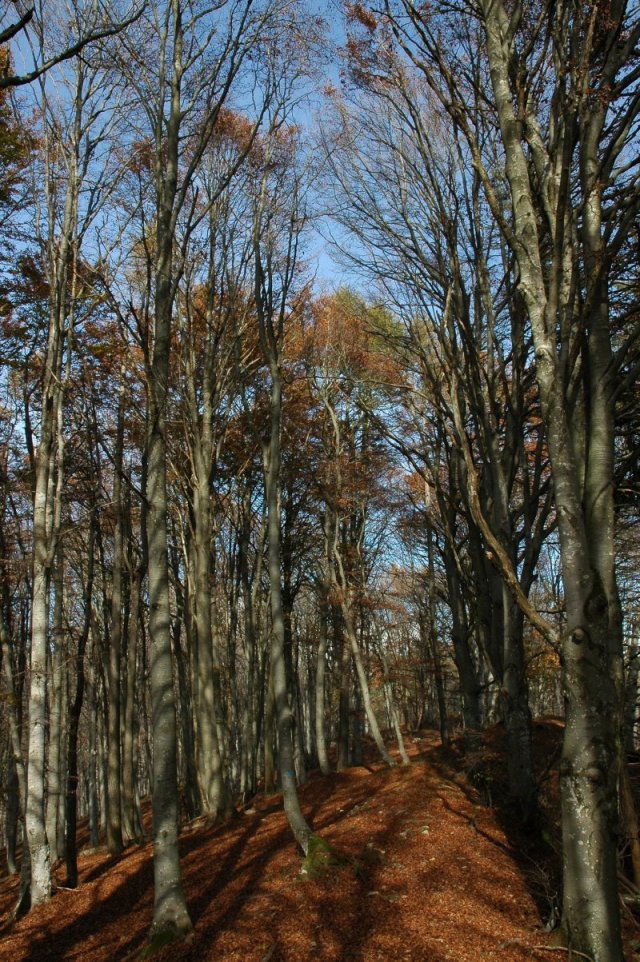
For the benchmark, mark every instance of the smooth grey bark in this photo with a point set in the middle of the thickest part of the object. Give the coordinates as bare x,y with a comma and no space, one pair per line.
210,760
93,804
344,694
68,144
583,474
43,549
170,913
190,792
16,792
131,819
297,822
75,709
269,716
321,663
55,767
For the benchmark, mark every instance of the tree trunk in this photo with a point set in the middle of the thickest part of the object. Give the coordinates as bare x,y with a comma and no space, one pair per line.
296,819
321,660
54,766
364,684
71,846
592,639
114,811
214,790
344,697
269,712
16,789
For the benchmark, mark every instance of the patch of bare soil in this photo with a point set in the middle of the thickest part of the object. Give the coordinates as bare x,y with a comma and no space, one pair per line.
429,875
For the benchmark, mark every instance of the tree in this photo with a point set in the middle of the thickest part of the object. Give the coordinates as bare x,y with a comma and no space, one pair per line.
183,65
31,23
424,234
562,85
69,141
278,221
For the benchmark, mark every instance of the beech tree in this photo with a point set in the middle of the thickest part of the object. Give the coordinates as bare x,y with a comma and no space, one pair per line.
561,85
424,235
71,132
185,62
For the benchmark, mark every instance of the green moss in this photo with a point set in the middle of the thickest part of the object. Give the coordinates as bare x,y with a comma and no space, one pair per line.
320,858
159,940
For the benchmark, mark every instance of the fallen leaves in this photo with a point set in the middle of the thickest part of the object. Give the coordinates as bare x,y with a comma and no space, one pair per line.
426,873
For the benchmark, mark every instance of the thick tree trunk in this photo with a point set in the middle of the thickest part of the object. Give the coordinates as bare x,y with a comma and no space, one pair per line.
518,722
40,881
461,640
592,639
170,912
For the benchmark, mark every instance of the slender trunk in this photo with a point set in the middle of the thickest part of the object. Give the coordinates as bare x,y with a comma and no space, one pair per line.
214,790
92,777
54,766
71,846
296,819
374,728
114,816
16,789
632,676
391,706
131,823
189,787
344,699
321,664
269,713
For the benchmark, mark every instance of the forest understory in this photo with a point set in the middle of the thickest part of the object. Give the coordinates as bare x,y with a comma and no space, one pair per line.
429,868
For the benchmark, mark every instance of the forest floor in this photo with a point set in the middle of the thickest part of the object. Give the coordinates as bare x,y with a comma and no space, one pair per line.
432,870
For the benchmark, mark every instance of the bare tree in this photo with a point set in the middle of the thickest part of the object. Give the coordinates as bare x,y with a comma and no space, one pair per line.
560,84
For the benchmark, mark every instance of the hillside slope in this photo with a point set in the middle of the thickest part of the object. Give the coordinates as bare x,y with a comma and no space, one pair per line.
429,875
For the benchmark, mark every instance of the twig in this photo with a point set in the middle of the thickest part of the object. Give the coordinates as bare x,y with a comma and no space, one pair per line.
564,948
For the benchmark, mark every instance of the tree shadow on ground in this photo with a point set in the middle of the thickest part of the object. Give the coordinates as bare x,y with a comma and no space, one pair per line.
477,765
